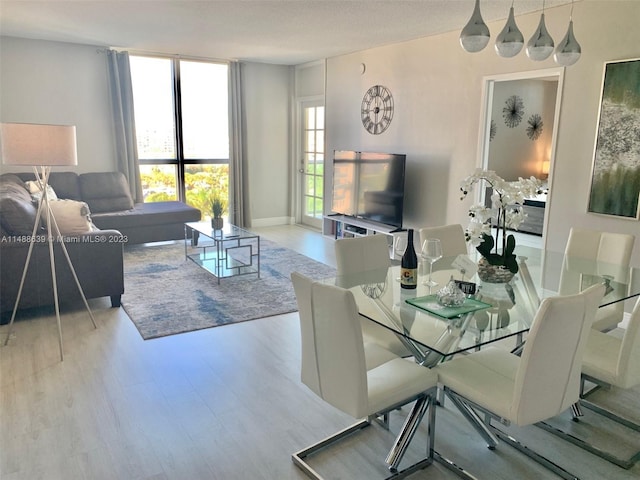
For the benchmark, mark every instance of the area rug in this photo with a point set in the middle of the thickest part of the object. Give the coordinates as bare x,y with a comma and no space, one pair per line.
165,294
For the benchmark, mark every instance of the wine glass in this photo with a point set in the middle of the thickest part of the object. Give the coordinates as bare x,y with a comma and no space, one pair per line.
431,251
399,246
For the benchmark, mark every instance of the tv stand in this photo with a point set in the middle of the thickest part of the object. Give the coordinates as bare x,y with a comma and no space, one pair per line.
344,226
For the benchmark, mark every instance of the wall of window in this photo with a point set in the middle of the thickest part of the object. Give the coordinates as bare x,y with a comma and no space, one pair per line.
182,129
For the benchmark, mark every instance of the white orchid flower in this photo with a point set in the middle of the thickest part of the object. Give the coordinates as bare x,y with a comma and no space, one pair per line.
505,195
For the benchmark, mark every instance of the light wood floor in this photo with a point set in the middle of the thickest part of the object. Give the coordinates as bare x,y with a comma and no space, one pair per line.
223,403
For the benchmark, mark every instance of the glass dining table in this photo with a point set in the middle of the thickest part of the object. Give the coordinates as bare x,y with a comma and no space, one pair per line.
506,310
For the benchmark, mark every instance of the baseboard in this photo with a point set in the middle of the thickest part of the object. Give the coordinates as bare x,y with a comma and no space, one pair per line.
270,222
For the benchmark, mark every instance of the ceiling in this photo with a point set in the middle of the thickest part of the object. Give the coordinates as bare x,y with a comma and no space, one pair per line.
287,32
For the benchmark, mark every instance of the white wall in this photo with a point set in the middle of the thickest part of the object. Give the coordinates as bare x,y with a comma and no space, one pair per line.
63,83
437,89
267,93
59,83
512,153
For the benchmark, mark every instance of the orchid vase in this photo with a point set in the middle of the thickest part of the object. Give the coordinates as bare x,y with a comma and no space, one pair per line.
506,212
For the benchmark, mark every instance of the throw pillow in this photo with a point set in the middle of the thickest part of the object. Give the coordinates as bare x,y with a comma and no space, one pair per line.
35,190
72,217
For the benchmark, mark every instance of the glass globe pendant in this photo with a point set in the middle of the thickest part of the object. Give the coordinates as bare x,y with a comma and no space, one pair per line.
540,45
475,35
510,40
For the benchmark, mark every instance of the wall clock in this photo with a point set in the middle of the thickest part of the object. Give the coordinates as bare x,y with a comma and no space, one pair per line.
377,109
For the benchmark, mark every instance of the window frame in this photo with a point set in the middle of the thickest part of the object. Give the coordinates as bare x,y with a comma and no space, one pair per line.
180,161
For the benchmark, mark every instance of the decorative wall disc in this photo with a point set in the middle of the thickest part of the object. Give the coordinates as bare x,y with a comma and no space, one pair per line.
492,130
513,111
534,130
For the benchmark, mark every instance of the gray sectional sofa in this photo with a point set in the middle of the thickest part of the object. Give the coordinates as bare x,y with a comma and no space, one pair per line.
96,254
108,197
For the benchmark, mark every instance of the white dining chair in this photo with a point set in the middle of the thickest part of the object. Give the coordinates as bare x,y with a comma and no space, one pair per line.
541,383
451,237
364,254
359,254
609,360
614,250
360,379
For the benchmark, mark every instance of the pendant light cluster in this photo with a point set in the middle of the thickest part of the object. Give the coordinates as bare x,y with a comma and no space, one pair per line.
475,36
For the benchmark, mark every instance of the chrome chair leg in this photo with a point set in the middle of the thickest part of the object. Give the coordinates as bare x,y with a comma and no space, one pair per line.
491,434
576,411
298,458
578,442
422,404
536,457
428,404
457,469
610,415
407,432
625,463
601,410
474,419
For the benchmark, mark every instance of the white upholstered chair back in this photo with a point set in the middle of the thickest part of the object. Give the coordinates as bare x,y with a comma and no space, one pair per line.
451,237
360,380
614,248
548,378
614,360
361,254
368,254
339,349
309,366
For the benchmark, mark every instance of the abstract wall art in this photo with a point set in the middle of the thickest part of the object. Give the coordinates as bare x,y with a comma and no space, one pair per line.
615,182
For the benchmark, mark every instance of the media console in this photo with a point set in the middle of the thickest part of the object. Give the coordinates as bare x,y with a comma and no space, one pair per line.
344,226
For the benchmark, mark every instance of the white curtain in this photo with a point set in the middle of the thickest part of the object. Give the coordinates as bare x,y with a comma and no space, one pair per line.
124,120
238,182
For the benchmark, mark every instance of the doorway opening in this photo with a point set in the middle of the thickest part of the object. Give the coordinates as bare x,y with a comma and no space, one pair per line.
519,131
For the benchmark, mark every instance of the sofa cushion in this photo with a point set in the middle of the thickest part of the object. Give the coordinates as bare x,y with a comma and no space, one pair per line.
105,191
72,217
13,178
65,184
17,212
148,214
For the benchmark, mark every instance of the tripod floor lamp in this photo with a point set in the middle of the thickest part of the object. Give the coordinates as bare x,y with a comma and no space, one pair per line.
41,147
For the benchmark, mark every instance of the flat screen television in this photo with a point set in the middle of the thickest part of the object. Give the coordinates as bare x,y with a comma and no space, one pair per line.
369,186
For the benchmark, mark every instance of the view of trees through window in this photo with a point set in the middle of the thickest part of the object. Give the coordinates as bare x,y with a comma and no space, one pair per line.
201,183
182,129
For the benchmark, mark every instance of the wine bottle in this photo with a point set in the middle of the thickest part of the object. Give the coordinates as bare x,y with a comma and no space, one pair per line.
409,265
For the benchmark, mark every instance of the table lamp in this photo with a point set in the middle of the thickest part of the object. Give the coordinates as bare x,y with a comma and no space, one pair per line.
42,147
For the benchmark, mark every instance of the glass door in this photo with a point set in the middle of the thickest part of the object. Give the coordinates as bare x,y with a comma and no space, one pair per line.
311,166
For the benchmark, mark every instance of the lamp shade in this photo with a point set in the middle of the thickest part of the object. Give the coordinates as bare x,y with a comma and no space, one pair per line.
38,145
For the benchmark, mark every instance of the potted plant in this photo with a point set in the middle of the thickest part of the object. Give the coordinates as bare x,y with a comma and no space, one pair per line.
218,206
498,262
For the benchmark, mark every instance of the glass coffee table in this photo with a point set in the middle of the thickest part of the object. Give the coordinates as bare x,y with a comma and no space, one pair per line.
224,253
